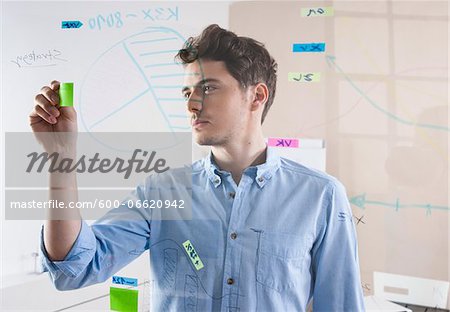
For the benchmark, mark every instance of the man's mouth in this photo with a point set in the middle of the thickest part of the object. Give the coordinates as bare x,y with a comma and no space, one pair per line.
198,122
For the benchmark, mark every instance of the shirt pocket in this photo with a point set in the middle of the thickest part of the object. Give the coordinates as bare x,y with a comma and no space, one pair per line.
281,259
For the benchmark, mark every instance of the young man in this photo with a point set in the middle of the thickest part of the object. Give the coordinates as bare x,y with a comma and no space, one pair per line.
271,233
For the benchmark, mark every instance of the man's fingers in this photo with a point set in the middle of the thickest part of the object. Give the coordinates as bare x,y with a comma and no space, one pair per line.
51,95
43,102
39,113
55,85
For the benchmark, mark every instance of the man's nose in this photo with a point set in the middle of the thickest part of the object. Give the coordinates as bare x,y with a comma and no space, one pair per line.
194,103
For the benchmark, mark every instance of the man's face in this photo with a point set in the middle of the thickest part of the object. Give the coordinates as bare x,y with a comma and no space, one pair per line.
217,105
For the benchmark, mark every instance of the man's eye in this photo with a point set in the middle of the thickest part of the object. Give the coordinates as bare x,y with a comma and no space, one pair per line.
207,89
186,95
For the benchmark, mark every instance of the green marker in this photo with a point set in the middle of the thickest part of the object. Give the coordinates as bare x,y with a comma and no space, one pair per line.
66,94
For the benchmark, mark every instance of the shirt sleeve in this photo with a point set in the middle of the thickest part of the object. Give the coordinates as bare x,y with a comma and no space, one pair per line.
337,285
103,248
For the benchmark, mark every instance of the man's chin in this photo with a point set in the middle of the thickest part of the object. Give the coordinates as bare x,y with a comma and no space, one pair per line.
202,141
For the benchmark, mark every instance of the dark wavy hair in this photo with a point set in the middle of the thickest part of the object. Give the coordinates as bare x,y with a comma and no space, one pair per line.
246,59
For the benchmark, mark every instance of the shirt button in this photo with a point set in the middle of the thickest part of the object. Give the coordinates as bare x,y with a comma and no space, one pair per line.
230,281
233,235
232,194
260,179
216,181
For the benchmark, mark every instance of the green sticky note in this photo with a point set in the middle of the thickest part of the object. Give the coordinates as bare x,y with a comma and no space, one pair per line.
66,94
320,11
192,253
123,299
304,77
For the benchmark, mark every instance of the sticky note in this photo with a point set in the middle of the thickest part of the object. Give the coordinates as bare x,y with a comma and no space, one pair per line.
320,11
128,281
123,299
308,47
280,142
195,259
66,94
303,77
71,24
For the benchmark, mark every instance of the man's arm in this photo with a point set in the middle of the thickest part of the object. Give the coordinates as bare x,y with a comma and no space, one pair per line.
102,249
337,285
75,254
60,235
55,128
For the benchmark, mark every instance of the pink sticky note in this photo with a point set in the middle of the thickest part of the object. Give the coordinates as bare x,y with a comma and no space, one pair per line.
280,142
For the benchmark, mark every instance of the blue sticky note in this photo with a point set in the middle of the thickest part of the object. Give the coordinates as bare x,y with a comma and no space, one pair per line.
308,47
120,280
71,24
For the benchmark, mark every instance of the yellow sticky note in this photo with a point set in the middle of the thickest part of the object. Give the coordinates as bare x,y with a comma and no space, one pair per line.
303,77
319,11
192,253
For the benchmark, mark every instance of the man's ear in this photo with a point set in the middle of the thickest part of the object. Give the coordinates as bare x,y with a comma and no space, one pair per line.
260,96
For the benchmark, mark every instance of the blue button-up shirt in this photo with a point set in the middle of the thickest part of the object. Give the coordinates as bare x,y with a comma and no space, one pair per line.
281,237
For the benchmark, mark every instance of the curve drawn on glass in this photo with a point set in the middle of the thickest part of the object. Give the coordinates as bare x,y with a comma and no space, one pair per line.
331,60
152,52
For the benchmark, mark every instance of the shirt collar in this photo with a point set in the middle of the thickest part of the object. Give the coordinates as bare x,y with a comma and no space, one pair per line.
261,173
